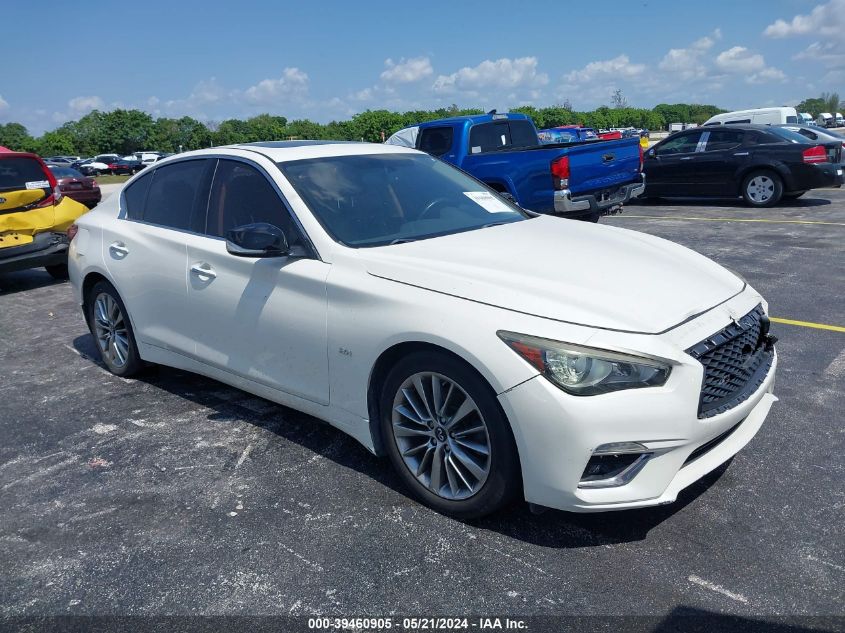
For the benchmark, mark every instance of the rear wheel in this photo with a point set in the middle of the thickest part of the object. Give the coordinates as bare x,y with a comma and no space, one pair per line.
109,323
57,271
762,189
447,437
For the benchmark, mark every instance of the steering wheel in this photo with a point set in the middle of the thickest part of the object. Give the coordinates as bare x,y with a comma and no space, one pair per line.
431,206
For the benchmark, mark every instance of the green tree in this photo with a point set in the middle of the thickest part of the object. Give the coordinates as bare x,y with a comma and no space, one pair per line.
266,127
831,102
16,137
813,106
57,142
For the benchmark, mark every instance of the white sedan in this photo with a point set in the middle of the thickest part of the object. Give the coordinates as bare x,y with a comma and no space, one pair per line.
491,353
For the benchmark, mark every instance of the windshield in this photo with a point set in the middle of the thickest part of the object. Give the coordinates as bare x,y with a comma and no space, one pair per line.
65,172
379,199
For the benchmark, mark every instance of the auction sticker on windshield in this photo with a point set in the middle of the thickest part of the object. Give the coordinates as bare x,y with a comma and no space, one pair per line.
37,184
488,201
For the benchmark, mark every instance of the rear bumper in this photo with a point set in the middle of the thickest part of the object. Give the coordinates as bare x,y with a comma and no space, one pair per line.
46,249
589,204
806,177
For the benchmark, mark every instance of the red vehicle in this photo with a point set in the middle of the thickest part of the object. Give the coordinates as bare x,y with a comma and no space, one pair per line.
74,185
609,135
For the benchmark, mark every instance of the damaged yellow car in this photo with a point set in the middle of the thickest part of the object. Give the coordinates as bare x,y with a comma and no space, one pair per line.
34,216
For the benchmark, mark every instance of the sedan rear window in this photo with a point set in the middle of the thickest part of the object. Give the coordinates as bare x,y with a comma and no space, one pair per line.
22,172
379,199
786,135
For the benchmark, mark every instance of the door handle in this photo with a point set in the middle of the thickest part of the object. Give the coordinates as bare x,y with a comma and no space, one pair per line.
687,157
119,248
741,153
203,270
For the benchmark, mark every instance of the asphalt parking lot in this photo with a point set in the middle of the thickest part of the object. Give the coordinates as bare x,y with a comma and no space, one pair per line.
175,494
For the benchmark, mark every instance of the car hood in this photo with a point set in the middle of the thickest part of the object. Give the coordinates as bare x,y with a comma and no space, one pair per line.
577,272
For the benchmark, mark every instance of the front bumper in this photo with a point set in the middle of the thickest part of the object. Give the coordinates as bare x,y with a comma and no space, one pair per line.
556,435
589,204
46,249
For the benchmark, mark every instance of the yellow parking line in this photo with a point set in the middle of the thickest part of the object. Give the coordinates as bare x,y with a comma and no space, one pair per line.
678,217
818,326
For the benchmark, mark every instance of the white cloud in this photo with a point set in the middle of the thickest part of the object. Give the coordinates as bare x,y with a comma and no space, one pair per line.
4,105
740,60
83,105
825,20
502,73
689,63
766,75
292,85
618,67
407,71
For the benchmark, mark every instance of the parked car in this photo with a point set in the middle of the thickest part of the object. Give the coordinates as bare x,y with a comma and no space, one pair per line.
91,167
805,118
581,180
434,322
610,135
34,216
126,166
838,120
825,119
147,158
59,160
567,134
760,163
74,185
756,116
815,133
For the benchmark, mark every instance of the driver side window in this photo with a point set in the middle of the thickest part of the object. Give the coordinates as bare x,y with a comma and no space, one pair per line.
683,144
241,194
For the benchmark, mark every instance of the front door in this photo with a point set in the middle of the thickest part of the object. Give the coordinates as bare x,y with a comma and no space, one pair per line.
263,319
670,168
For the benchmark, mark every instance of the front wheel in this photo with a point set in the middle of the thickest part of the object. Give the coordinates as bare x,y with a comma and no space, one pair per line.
762,189
447,437
109,323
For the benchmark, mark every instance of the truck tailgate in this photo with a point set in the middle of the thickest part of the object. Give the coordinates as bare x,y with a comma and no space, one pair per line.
603,165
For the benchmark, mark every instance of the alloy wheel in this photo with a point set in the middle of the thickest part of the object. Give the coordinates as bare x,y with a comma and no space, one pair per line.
760,189
110,330
441,435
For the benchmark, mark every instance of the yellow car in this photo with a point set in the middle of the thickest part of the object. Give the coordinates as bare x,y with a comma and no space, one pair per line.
34,216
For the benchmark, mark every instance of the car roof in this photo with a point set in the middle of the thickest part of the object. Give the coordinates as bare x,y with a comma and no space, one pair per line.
283,151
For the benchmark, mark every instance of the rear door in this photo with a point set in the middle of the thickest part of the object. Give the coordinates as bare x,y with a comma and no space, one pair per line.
670,168
146,253
720,157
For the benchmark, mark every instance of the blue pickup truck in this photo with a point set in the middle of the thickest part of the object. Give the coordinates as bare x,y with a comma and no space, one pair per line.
581,179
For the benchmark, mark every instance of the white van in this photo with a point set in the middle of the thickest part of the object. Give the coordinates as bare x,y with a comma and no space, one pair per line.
758,116
825,119
805,118
838,120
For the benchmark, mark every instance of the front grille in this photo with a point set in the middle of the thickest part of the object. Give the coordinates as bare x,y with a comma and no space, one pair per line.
736,361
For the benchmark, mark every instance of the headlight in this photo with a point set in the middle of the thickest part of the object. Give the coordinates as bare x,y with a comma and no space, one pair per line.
586,371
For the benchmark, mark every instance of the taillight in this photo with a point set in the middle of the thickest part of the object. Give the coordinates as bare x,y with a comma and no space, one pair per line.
815,154
72,230
560,172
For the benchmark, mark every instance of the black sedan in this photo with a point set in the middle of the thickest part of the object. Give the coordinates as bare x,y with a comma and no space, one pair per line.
762,164
126,166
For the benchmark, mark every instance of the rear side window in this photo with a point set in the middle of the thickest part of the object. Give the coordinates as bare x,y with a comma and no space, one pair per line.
489,137
436,140
723,139
135,195
178,195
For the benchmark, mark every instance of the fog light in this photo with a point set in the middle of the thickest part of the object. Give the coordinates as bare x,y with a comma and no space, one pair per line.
614,465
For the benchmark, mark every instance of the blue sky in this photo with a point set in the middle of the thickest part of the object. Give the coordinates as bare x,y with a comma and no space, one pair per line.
326,60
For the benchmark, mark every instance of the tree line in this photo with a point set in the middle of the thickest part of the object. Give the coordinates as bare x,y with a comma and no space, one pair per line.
127,131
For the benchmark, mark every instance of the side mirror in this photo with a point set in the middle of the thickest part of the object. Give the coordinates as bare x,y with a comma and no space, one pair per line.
652,153
257,240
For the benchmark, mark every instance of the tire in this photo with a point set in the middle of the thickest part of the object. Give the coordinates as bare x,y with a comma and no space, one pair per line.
57,271
762,188
794,195
472,483
112,331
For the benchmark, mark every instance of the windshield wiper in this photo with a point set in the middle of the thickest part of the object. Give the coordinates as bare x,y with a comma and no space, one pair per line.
403,240
487,226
